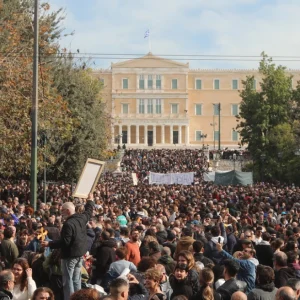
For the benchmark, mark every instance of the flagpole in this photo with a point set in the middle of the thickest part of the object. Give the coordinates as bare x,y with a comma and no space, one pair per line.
149,42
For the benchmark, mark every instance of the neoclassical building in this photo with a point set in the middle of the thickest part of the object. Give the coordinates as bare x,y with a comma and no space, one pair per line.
157,102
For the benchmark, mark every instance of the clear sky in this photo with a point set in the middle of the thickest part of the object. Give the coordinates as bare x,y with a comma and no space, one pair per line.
205,27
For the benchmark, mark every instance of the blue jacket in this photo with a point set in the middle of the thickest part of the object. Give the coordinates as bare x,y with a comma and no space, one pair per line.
247,272
35,246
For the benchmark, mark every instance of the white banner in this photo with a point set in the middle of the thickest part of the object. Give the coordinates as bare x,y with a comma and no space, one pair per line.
171,178
134,178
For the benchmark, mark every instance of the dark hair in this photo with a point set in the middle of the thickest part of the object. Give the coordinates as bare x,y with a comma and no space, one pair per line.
183,267
215,231
293,283
8,232
105,235
154,246
292,256
43,290
232,267
24,264
266,236
146,263
187,232
86,294
124,231
197,246
290,246
180,297
121,252
265,274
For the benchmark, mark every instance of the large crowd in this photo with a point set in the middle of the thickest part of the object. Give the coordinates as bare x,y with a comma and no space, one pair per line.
156,242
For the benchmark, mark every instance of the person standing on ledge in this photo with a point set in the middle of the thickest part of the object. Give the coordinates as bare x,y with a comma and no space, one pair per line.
73,244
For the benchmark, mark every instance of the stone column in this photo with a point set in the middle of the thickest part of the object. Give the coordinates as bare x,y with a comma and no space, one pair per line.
187,134
162,134
146,135
179,135
128,134
171,134
137,128
154,134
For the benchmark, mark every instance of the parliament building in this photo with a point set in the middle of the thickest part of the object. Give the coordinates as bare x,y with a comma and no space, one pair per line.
160,103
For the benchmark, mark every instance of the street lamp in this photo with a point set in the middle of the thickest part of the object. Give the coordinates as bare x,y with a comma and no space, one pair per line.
234,158
214,125
203,136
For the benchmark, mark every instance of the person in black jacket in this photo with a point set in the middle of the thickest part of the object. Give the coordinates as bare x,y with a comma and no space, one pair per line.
7,283
230,286
198,253
105,255
264,251
73,245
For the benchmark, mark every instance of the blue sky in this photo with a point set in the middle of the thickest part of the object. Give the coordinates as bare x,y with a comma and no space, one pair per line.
181,27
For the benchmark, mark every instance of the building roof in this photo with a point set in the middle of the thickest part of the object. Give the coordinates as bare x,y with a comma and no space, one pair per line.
150,61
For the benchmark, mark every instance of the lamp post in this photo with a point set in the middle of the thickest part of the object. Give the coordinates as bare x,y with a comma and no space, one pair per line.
234,157
34,109
263,158
203,136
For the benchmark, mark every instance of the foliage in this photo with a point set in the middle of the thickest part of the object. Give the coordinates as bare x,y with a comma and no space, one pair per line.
70,111
268,120
89,138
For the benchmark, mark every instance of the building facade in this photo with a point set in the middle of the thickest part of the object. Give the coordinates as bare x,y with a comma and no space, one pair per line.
156,102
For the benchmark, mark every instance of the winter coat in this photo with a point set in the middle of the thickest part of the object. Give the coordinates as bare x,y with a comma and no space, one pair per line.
180,287
161,236
263,292
228,288
73,239
198,295
90,238
264,253
282,276
201,258
168,262
211,251
105,255
185,243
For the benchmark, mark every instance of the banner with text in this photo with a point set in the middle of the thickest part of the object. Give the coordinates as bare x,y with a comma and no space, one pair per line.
171,178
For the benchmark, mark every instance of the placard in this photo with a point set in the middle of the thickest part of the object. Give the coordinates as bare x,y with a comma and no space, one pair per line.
89,178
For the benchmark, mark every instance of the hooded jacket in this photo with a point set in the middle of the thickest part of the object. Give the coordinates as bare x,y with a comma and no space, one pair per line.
105,255
264,253
184,243
263,292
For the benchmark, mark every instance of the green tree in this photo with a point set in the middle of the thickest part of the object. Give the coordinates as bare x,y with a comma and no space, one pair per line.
89,137
268,118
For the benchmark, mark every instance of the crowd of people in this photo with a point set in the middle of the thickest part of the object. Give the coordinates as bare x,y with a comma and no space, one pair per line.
156,242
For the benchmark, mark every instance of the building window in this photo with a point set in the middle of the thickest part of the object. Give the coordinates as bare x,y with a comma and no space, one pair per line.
235,135
198,136
141,106
150,82
216,84
254,84
234,109
158,106
174,108
150,106
158,82
216,135
216,109
125,108
125,83
235,84
174,84
141,82
198,109
198,84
